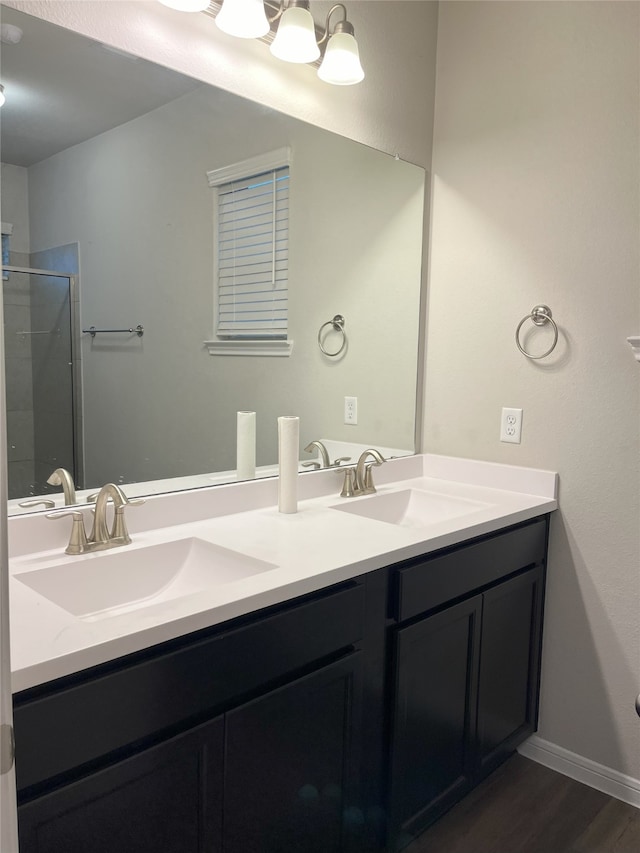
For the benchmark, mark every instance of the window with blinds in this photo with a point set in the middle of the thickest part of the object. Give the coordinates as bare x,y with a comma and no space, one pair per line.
253,255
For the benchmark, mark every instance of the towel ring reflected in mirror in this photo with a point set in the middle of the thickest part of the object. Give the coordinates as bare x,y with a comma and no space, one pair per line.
338,326
540,315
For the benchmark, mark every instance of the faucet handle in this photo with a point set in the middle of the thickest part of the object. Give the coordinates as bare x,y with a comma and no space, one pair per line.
45,502
349,486
135,501
119,530
340,459
119,527
367,485
78,539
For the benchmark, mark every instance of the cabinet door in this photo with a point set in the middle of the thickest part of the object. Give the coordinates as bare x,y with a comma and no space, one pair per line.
166,799
509,667
434,717
291,760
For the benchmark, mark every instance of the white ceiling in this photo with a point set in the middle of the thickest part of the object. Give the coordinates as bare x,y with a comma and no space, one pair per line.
62,89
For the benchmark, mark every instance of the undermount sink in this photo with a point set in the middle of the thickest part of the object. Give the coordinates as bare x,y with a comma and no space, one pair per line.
110,583
411,507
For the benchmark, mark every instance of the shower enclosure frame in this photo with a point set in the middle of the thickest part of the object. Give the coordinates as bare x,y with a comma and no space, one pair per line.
76,359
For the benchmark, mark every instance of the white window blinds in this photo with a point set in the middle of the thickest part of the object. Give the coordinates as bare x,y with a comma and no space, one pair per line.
253,255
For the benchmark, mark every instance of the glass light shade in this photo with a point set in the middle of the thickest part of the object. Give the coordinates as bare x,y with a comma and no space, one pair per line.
245,19
186,5
295,40
341,63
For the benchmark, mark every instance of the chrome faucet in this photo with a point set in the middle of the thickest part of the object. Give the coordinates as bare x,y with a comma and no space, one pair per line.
359,480
61,477
100,537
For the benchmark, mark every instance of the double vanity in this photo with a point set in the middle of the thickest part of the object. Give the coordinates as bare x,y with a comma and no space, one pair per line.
238,679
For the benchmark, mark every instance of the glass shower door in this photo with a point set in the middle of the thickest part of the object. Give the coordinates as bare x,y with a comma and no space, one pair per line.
39,379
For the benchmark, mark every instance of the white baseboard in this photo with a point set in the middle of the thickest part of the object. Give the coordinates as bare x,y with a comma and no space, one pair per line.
597,776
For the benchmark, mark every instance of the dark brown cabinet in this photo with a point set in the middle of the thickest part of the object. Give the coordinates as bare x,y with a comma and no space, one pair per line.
166,798
273,767
465,679
291,766
509,667
434,721
339,722
285,762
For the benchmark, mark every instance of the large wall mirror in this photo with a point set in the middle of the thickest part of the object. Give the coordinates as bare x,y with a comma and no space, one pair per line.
108,222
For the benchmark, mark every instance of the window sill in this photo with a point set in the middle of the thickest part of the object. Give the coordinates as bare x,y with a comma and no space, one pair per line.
261,348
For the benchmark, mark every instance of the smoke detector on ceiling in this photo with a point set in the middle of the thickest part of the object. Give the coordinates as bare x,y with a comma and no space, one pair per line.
10,34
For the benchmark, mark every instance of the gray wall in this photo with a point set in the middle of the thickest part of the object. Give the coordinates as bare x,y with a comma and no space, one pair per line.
535,199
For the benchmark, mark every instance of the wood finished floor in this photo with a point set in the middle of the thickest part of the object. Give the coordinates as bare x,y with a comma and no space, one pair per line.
526,808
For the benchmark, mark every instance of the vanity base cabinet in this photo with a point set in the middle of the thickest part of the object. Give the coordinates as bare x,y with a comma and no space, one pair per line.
344,721
276,769
167,798
434,726
509,667
291,766
276,775
465,674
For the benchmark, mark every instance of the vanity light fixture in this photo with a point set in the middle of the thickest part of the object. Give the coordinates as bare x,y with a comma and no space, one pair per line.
287,26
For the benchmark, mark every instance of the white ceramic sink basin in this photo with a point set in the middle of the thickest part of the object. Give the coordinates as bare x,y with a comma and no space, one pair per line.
109,583
411,507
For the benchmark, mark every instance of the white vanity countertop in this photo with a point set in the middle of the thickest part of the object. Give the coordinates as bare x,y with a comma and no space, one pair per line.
313,548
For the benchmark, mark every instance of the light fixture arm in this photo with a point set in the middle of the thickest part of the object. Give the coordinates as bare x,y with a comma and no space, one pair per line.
280,7
342,26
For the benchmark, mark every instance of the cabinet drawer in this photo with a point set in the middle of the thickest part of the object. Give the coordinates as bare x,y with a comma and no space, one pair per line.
82,722
430,582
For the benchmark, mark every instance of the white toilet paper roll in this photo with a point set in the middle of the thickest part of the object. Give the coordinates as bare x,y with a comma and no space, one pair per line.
246,446
288,455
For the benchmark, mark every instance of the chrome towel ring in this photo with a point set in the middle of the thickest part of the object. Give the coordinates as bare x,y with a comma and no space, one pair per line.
540,315
338,326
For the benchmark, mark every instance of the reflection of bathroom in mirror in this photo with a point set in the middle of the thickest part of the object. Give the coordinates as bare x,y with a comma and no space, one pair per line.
124,213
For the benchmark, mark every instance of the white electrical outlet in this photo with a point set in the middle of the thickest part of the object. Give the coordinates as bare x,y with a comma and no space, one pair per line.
351,410
511,425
